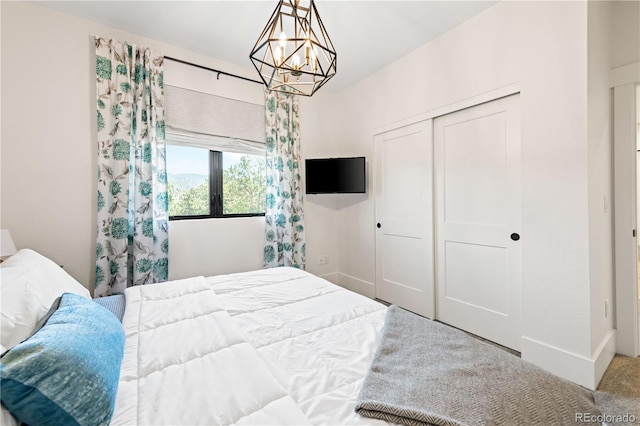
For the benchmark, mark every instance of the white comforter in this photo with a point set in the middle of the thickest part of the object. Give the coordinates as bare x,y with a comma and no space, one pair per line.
316,337
277,346
186,362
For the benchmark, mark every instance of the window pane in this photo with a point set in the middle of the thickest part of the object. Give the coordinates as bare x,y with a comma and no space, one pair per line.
188,180
243,183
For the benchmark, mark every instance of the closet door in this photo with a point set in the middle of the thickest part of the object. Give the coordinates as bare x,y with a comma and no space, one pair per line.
404,217
477,164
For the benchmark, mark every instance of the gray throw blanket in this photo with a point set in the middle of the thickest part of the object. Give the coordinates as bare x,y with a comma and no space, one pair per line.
427,373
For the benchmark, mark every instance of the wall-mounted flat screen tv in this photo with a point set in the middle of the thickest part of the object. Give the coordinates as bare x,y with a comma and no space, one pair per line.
335,175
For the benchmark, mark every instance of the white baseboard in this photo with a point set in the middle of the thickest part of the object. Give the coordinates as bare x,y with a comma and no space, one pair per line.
579,369
603,356
357,285
333,277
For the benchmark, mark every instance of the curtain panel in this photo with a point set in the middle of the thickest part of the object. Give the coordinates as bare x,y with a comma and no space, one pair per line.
284,218
132,243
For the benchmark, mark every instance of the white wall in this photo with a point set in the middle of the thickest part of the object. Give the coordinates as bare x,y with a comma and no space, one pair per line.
0,122
625,47
49,151
318,140
323,136
600,174
542,46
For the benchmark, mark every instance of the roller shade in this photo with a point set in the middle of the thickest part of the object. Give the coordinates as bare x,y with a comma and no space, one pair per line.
213,122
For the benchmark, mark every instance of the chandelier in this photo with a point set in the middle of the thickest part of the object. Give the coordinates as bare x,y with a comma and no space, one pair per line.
294,53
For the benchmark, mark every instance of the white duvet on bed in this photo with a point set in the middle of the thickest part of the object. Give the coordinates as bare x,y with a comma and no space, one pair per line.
317,338
187,362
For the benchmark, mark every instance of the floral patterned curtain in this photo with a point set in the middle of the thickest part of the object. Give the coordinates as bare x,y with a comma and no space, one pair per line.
285,245
132,246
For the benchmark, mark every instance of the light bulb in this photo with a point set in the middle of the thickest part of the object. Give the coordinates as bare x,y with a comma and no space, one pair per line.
314,59
278,55
295,62
283,40
307,50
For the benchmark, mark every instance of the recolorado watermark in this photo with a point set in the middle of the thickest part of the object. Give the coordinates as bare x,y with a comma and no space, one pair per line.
604,418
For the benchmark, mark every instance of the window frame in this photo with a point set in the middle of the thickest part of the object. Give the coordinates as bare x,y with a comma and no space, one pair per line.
216,195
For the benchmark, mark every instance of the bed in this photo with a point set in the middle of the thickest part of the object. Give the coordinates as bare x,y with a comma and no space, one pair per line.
274,346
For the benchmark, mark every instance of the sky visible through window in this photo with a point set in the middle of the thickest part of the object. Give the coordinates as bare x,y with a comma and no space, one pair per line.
243,182
184,160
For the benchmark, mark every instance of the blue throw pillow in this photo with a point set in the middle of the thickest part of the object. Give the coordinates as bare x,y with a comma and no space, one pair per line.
67,372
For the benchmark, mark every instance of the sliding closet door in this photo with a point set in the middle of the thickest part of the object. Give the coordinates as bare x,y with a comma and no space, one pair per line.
404,217
477,164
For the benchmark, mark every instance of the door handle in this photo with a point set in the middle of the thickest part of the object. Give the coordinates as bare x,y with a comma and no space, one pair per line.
515,237
379,225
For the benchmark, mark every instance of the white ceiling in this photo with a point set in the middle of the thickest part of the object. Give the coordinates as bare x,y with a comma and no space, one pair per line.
367,35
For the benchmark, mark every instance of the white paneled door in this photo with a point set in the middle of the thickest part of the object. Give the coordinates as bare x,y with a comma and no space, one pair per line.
404,217
478,215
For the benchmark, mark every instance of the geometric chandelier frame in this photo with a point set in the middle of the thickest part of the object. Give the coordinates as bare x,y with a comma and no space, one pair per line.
294,53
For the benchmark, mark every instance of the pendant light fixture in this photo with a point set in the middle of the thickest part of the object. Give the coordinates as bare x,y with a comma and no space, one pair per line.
294,53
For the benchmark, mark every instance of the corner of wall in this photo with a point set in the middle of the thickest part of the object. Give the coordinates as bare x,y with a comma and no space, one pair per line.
333,277
357,285
603,356
584,371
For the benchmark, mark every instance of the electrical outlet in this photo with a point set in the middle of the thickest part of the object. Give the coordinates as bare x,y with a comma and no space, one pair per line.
323,259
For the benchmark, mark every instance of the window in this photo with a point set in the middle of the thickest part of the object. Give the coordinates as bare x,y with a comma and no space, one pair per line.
215,152
206,184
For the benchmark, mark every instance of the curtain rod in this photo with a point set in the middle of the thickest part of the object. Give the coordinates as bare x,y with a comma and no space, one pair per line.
213,70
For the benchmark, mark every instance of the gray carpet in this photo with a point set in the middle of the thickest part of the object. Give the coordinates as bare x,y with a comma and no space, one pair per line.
426,373
618,394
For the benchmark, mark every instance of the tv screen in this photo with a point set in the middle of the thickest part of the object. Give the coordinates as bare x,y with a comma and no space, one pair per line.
335,175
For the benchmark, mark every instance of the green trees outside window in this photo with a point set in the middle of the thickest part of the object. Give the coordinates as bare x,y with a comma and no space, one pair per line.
233,186
244,185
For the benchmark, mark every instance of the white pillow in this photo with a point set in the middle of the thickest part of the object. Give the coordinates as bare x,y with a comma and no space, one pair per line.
29,283
7,419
